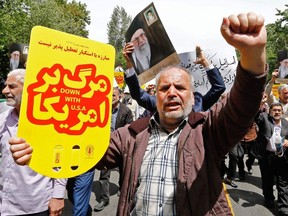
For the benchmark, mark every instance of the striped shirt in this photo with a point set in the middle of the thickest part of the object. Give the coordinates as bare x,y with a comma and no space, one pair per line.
158,174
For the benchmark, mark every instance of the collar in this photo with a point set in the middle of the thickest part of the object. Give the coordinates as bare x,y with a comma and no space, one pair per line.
154,122
139,125
116,108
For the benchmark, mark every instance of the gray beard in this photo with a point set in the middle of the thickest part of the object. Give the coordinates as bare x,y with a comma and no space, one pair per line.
180,114
283,71
14,64
143,55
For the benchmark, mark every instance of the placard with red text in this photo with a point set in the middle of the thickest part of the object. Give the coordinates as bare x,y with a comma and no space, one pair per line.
66,103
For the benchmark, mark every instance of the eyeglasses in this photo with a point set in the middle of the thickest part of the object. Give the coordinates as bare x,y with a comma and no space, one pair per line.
142,35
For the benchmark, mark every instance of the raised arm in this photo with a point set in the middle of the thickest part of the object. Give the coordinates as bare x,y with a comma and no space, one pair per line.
137,93
270,97
247,33
215,79
216,90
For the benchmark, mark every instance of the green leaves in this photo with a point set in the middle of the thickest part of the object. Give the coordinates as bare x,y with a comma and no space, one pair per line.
18,17
116,29
277,38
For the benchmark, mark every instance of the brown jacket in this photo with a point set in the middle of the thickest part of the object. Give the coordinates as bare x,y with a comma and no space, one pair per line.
202,144
251,134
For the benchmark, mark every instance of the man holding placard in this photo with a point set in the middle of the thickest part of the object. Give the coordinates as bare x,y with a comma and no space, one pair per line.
23,191
190,145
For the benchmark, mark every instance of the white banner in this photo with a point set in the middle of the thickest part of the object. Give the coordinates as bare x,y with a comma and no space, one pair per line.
225,60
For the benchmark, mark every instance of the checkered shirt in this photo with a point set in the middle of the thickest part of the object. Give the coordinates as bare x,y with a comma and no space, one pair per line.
156,193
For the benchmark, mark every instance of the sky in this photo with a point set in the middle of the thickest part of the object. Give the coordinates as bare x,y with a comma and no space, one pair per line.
187,22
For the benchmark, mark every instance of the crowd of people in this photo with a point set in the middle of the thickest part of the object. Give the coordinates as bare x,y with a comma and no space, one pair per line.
171,157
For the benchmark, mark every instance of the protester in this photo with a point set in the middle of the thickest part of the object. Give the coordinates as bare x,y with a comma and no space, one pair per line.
23,191
202,103
282,92
248,142
236,158
273,163
79,190
257,149
131,104
169,162
121,115
250,139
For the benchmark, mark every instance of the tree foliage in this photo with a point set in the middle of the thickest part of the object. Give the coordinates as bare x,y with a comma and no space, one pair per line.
277,37
18,17
116,29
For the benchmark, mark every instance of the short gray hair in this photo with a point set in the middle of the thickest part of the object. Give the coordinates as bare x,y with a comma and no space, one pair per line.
281,87
19,74
179,68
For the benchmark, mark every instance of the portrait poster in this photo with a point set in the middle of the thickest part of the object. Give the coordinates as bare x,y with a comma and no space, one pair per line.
282,57
225,60
153,48
18,53
66,105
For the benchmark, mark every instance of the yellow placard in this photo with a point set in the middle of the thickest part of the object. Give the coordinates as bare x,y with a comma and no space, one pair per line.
119,77
275,90
66,102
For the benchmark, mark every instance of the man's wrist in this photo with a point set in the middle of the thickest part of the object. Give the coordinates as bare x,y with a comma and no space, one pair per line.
272,80
129,72
209,67
58,198
205,63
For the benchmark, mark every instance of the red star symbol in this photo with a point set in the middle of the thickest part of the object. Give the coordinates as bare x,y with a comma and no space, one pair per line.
102,85
92,116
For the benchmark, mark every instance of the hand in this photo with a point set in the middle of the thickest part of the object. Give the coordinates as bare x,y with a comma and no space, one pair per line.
247,33
21,151
275,74
200,58
128,50
285,143
56,206
264,99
